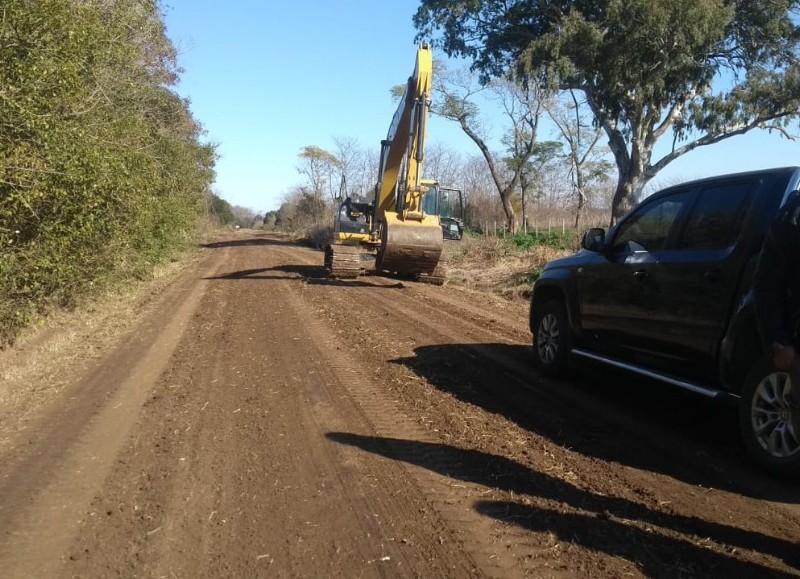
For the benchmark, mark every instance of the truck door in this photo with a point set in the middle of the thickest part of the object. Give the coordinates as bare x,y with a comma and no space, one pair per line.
696,278
616,288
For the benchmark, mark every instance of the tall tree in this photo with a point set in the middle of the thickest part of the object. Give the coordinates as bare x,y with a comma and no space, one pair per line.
704,70
355,166
530,179
443,164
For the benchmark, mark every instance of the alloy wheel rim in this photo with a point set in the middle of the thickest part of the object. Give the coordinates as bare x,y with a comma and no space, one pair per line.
547,338
774,416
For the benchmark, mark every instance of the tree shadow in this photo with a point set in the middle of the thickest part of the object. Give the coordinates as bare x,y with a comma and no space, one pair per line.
611,525
255,240
310,274
300,272
605,414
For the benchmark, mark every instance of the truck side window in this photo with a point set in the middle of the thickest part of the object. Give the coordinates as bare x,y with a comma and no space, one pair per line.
716,218
649,228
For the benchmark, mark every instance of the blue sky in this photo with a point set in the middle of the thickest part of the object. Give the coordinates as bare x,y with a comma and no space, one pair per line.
268,78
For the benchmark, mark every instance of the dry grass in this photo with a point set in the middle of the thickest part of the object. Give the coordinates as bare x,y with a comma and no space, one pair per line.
495,265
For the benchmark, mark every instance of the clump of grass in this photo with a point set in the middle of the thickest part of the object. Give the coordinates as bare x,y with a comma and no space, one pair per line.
556,239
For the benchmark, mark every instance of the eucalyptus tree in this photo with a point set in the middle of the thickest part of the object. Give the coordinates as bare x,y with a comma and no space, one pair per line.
699,72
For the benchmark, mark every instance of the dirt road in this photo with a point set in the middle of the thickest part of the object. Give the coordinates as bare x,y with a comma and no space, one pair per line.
257,420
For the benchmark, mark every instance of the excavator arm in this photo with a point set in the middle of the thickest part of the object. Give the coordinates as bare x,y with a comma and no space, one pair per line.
410,239
402,238
403,150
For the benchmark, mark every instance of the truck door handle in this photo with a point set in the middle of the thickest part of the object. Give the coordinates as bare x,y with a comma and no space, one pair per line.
713,275
640,275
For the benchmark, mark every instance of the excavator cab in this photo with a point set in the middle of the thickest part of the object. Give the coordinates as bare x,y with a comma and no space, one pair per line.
352,219
448,204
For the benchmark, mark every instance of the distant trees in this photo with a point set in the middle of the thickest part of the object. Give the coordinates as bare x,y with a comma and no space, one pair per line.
320,168
565,174
221,211
700,72
550,196
102,168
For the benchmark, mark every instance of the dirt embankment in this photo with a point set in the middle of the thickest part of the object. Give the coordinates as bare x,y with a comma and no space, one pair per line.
256,419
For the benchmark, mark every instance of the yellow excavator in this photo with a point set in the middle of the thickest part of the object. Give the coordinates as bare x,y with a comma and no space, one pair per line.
399,231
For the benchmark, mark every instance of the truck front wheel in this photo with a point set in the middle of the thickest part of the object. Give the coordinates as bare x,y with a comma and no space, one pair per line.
769,417
552,339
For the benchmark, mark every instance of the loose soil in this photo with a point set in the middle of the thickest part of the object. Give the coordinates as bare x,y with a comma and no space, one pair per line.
247,417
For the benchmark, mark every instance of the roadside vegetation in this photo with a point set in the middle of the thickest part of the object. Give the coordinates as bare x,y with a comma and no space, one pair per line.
505,266
103,172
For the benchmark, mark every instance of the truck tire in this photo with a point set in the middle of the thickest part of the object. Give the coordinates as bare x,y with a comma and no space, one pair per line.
552,339
769,418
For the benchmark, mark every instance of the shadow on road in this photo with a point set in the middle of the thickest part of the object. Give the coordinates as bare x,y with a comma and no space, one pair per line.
602,523
299,271
310,274
255,240
605,414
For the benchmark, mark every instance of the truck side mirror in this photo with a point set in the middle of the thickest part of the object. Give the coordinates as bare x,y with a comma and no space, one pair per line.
594,239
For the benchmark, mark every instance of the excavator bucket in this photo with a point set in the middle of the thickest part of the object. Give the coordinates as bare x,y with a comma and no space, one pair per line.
410,246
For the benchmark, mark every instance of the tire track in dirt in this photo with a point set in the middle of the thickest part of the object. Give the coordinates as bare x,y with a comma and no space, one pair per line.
335,410
408,439
348,397
512,320
398,438
47,483
258,490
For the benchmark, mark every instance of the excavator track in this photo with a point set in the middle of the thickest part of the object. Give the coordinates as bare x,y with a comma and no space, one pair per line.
437,277
343,261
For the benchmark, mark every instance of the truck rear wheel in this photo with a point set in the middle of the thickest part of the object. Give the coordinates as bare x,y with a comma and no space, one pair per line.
769,418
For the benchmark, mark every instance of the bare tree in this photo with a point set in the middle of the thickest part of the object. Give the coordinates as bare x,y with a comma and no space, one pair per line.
574,120
355,166
482,206
455,99
443,164
321,168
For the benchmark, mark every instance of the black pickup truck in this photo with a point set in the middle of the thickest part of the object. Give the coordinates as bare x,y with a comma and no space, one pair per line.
666,293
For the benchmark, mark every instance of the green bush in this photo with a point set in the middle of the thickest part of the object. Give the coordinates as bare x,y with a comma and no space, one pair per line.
102,171
553,239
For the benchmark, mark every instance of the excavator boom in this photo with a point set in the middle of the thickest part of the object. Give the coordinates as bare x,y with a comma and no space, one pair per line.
410,240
